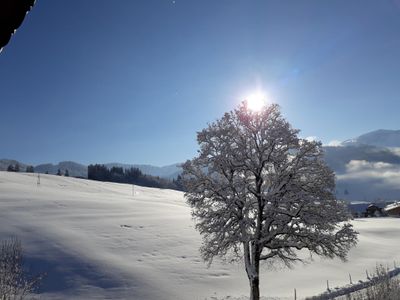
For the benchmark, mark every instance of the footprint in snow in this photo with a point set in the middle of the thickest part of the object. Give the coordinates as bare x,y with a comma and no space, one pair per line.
125,226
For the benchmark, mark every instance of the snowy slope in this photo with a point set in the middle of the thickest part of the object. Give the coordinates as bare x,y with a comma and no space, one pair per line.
97,241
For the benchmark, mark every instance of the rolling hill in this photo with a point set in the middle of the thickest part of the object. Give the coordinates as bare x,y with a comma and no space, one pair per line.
98,241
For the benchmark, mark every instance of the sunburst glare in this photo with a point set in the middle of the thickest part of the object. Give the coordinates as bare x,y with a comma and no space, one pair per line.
255,102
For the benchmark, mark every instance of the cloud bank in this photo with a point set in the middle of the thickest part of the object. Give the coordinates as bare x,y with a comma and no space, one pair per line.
371,180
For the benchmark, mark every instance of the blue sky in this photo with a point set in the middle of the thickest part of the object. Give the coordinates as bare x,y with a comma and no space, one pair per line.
132,81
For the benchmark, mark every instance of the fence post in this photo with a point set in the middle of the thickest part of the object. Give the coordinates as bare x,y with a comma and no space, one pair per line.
351,281
295,294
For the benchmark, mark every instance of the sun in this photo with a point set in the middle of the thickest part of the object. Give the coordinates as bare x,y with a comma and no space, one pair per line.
255,102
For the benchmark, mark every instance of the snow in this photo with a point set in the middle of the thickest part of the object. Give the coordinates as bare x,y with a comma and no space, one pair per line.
98,241
392,206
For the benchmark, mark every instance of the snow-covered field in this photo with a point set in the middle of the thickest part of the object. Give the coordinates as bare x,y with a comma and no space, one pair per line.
98,241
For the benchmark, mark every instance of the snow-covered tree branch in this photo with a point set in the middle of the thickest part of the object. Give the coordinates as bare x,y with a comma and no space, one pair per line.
258,192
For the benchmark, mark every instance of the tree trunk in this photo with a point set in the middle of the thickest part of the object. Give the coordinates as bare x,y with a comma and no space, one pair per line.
254,288
252,263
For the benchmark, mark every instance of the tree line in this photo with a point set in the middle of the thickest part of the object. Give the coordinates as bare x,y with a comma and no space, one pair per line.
31,169
117,174
132,176
17,168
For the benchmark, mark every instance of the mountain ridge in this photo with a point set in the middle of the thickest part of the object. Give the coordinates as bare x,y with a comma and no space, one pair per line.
381,138
366,167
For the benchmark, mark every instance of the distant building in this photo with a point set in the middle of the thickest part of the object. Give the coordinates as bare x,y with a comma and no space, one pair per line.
365,210
374,210
393,209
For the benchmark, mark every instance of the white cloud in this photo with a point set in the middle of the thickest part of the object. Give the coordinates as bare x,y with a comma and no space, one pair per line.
334,143
363,165
381,173
395,150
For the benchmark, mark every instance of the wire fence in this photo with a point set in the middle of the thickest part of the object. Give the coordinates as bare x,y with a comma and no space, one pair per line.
353,287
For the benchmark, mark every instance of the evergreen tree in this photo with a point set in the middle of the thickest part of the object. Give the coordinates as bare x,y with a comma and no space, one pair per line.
179,183
29,169
59,172
132,176
66,174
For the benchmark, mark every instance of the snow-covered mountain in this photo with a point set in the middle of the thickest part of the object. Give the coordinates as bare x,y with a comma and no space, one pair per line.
379,138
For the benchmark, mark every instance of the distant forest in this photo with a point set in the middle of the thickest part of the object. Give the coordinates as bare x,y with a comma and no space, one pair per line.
132,176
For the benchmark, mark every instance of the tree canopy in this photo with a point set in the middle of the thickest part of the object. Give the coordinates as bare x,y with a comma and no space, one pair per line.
258,192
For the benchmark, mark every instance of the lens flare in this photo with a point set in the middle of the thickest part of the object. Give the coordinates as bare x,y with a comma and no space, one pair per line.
255,102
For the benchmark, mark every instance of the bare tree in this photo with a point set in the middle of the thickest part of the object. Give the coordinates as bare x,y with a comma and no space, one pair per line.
260,193
14,282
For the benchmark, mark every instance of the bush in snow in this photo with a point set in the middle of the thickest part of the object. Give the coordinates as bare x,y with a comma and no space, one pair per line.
383,288
14,282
